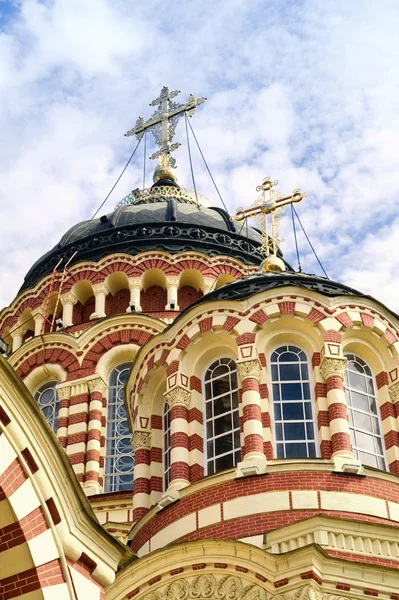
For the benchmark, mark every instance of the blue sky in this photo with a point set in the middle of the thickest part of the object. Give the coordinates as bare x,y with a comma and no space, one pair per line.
306,92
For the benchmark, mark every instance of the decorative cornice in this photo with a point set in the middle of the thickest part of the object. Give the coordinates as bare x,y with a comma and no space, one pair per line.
178,396
141,440
394,392
208,586
249,368
97,385
332,366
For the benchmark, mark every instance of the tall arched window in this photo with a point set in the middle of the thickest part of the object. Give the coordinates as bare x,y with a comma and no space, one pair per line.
364,421
166,446
47,398
222,422
292,405
119,460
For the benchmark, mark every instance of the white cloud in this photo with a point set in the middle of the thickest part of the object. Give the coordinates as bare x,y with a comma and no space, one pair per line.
305,92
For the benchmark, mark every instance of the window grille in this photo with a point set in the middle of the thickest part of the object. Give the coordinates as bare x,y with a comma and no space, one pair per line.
119,458
364,421
292,404
47,398
222,422
166,446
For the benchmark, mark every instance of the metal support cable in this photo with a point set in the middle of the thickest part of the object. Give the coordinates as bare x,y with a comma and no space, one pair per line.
309,242
144,157
117,181
191,162
296,241
206,165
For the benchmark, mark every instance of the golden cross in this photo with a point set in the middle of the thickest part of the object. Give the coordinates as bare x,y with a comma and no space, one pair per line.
267,204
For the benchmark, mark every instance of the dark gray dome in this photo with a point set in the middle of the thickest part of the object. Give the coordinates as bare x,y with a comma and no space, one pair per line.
162,218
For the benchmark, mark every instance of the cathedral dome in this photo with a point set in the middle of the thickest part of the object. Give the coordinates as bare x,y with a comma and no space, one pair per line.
163,217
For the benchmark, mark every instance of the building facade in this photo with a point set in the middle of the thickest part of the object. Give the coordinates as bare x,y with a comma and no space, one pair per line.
177,423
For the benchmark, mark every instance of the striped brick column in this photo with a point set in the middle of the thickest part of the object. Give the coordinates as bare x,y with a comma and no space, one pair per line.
97,388
332,369
254,459
141,441
392,438
63,393
77,428
196,430
156,458
178,399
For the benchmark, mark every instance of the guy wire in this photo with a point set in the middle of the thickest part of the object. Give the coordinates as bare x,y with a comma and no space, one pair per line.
189,155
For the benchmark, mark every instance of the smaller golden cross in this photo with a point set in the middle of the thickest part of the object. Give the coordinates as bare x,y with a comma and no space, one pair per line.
269,203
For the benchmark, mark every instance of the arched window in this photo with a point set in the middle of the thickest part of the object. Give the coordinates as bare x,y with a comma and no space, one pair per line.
166,446
292,405
222,422
119,460
47,398
364,420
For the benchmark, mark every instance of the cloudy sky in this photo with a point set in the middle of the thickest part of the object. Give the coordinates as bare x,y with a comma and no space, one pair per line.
305,91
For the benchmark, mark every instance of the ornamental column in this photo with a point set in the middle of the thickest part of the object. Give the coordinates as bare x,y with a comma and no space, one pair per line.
332,369
100,293
172,285
254,459
38,317
97,388
178,399
63,394
68,301
141,441
17,338
209,285
135,287
393,451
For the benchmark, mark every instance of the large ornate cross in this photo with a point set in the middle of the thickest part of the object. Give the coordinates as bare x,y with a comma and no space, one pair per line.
163,122
269,203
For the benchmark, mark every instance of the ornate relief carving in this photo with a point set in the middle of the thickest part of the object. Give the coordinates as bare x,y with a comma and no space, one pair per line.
135,282
68,298
63,393
178,396
249,368
97,385
100,288
394,392
306,592
207,586
332,366
141,440
172,280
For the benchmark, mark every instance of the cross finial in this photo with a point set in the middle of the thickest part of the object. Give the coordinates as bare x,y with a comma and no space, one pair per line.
270,203
163,122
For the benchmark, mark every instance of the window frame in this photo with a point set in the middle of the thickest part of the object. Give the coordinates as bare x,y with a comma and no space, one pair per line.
166,451
356,450
112,476
311,400
51,384
204,403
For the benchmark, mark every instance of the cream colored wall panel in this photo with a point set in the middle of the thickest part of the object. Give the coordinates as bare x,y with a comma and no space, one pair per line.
84,587
379,326
302,309
43,548
178,425
208,516
24,500
393,510
196,457
75,448
15,560
157,438
144,550
304,499
76,409
77,428
174,531
7,454
254,540
355,503
330,323
179,454
257,503
337,425
101,516
55,592
6,514
196,427
388,424
118,516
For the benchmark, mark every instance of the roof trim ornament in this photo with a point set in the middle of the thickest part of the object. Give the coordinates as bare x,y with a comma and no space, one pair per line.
162,125
269,203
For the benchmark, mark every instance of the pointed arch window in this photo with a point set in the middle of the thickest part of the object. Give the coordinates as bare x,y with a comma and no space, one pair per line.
364,419
166,446
47,398
119,457
222,422
292,405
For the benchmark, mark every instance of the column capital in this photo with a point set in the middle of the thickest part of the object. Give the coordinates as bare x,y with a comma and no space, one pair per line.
69,298
178,396
141,440
394,392
332,366
63,392
100,288
172,280
208,283
135,282
249,369
97,385
38,312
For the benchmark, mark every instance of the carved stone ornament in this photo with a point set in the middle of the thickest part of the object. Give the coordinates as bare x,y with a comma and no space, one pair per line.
207,586
394,392
141,440
174,281
135,282
68,298
100,288
97,385
306,592
332,366
178,396
64,393
249,368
